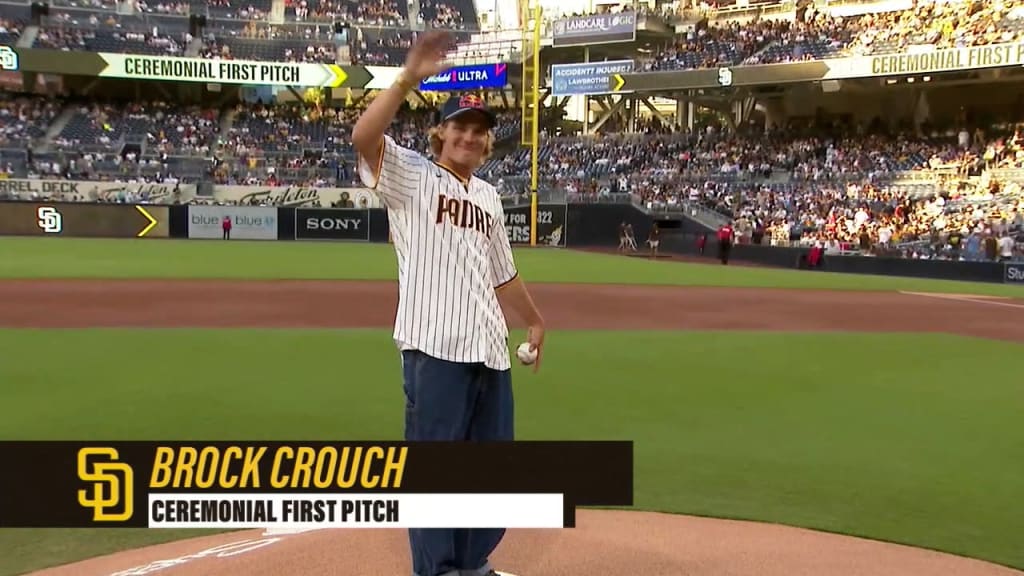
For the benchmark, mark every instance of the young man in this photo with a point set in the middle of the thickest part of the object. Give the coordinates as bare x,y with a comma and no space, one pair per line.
457,278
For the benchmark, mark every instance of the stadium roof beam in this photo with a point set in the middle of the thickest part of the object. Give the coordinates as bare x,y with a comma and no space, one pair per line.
614,110
654,110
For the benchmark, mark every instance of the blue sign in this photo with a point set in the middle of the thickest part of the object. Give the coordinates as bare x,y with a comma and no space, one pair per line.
585,79
474,77
594,29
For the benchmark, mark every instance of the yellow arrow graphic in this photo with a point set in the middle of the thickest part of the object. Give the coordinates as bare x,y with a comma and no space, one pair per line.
152,221
619,82
339,75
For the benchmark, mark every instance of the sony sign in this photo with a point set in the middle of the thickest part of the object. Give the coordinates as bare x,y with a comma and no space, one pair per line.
332,224
1014,273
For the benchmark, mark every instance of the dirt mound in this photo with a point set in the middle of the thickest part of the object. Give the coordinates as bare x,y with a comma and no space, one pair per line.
604,542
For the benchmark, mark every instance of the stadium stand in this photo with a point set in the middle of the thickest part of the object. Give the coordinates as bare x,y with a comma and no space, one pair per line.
883,190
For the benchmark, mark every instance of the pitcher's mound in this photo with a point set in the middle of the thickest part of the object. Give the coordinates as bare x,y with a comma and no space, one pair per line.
604,542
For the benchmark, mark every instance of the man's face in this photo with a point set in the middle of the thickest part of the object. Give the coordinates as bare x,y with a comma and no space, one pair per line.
465,138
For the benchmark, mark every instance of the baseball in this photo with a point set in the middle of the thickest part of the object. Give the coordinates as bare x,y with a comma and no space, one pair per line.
525,355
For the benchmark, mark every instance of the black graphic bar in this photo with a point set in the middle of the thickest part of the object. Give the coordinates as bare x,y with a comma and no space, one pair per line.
101,484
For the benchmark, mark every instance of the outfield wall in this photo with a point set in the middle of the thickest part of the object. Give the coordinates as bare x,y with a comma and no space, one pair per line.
786,257
585,225
558,225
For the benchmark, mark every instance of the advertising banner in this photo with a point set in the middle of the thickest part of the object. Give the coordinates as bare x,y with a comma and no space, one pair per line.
121,192
586,78
921,60
1013,273
475,77
551,219
332,224
247,222
86,191
594,29
83,220
295,196
201,70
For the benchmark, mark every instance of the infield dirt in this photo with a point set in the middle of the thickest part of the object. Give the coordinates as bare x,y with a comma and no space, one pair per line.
604,542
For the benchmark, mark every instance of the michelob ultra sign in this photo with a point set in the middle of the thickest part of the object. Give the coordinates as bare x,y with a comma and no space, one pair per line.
476,77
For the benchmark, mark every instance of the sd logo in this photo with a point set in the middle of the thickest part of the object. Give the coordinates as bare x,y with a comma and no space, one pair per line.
112,483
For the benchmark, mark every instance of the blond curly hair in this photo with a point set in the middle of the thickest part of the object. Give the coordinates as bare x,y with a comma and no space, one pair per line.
436,144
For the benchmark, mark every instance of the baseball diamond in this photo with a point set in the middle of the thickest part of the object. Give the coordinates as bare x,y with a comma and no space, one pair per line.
310,333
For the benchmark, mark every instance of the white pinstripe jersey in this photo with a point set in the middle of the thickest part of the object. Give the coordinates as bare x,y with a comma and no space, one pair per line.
453,252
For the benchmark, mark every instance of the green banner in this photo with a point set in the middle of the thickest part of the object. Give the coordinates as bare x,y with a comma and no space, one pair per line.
178,69
921,60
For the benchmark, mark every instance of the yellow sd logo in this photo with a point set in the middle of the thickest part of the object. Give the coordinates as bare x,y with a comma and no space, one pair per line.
111,481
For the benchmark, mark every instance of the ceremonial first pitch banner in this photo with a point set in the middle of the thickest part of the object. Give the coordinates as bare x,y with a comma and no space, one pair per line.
228,485
921,60
205,70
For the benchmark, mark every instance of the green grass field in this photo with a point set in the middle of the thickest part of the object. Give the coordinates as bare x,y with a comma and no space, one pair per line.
912,439
100,258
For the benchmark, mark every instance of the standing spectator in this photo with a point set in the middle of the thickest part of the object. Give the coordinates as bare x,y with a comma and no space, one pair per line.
1006,244
991,246
654,239
725,240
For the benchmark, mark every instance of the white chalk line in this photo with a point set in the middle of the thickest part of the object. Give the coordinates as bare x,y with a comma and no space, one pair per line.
967,298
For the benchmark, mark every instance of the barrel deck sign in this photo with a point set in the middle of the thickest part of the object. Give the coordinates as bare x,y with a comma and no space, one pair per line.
551,219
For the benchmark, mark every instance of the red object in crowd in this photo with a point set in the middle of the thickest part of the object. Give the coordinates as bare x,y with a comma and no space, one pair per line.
815,256
725,233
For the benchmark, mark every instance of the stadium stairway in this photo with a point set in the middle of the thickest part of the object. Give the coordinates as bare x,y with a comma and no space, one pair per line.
28,37
414,15
55,128
277,12
227,121
194,47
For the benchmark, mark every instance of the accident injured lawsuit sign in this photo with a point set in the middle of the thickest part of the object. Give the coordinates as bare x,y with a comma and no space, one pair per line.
228,485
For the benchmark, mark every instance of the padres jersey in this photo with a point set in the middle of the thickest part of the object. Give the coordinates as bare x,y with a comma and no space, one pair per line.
453,253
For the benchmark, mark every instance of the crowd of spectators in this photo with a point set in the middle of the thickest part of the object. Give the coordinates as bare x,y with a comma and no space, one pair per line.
388,13
106,32
939,23
23,121
813,34
10,30
790,185
816,34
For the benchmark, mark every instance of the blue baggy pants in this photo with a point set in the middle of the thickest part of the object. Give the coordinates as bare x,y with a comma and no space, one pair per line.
449,401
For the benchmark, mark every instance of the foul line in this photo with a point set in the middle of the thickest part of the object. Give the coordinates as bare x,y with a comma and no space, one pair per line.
966,298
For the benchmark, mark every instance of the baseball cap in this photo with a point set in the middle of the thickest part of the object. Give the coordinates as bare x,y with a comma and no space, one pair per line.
457,105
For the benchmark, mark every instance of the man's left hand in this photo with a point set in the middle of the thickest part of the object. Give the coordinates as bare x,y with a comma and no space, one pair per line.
535,336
